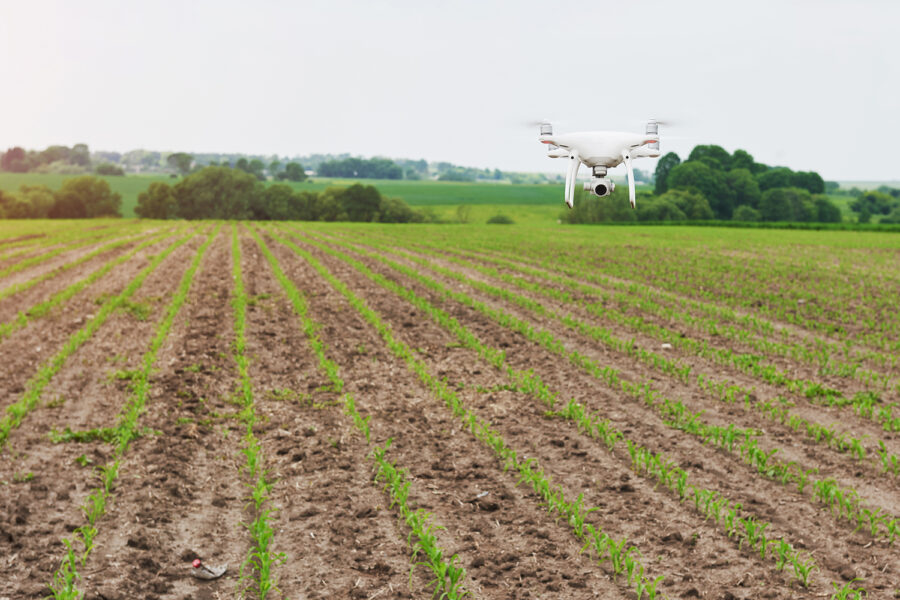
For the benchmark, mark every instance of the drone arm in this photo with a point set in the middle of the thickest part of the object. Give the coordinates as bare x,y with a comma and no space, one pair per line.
571,174
627,157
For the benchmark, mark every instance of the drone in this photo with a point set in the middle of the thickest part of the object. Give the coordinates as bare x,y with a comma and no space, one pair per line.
600,150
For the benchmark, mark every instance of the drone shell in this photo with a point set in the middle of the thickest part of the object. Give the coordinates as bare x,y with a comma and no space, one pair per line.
600,148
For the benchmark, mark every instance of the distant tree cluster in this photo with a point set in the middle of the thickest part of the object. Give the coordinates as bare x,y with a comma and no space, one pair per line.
77,198
883,203
54,159
713,184
224,193
372,168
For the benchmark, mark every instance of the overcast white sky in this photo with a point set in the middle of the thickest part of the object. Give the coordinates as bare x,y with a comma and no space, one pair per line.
807,84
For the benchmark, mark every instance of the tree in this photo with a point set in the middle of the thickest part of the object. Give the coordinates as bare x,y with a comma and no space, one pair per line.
741,159
808,180
14,161
744,185
327,206
276,203
665,164
13,207
360,202
779,177
217,193
293,172
708,181
38,198
274,166
787,204
85,197
80,155
109,169
181,162
256,168
893,217
874,202
660,209
826,210
691,203
746,214
712,155
157,202
395,210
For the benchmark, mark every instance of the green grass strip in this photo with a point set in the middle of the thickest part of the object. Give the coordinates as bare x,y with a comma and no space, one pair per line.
260,558
64,584
15,413
574,512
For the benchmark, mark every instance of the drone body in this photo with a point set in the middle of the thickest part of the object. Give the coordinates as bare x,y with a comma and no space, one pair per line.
600,150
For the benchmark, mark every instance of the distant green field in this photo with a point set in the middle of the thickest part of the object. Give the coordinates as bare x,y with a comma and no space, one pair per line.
431,193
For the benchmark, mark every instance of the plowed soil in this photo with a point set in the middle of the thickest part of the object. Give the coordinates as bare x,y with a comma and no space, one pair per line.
182,492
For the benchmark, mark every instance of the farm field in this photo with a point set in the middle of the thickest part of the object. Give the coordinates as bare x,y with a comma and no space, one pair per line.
377,411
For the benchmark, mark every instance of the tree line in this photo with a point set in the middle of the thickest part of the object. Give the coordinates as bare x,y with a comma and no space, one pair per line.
223,193
82,197
713,184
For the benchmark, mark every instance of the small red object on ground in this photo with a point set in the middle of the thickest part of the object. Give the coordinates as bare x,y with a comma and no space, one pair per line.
196,563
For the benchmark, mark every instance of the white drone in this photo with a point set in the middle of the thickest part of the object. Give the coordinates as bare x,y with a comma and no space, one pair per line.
600,150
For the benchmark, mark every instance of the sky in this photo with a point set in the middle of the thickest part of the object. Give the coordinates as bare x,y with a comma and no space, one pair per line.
812,84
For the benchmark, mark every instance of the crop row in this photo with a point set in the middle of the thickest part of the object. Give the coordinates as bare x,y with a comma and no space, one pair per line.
64,583
260,557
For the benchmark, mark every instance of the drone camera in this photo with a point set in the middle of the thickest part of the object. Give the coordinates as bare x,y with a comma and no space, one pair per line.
600,186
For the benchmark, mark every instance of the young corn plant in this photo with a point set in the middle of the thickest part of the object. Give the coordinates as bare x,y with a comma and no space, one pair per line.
448,576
